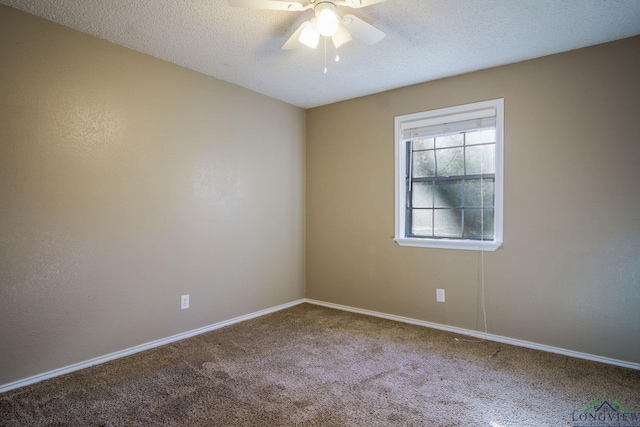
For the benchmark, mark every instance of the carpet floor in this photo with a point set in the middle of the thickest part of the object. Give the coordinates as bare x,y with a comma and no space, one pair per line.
314,366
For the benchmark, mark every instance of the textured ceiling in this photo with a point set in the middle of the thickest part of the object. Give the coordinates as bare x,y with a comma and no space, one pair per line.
426,39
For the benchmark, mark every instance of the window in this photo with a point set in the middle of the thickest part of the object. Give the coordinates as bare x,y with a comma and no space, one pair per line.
449,177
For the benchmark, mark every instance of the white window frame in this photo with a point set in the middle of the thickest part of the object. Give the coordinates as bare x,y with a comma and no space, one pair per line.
442,117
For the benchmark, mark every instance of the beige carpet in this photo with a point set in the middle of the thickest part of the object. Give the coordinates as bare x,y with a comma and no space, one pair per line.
313,366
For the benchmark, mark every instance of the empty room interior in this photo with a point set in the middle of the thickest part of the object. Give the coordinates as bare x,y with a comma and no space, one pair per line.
147,202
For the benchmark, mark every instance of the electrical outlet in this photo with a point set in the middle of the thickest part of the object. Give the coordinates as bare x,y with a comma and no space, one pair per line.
439,295
184,302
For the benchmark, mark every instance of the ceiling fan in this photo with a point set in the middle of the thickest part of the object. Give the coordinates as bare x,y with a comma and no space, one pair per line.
326,21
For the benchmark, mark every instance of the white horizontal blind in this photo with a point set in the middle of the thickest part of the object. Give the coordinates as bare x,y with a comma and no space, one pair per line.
433,126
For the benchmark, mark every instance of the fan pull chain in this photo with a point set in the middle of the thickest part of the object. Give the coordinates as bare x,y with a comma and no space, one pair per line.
336,59
325,55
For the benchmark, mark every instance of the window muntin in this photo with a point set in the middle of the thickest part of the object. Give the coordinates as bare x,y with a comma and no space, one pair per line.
449,177
451,185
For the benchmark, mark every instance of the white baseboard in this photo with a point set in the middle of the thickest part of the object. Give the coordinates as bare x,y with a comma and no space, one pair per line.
486,336
141,347
188,334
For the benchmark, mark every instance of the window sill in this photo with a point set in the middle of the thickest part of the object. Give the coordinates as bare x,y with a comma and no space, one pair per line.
470,245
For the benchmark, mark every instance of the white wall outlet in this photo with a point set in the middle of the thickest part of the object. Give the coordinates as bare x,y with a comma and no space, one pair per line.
184,302
439,295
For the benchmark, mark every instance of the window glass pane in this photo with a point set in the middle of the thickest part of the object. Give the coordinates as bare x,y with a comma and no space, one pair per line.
447,222
481,159
421,223
422,144
424,164
480,137
449,140
473,224
450,162
478,193
448,194
422,195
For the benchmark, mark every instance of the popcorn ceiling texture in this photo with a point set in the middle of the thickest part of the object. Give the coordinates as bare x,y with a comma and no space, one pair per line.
426,39
314,366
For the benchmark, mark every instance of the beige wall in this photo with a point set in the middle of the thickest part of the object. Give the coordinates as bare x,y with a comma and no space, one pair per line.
125,182
569,273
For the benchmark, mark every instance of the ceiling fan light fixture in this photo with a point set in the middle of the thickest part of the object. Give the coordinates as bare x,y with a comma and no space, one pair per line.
341,36
310,35
327,19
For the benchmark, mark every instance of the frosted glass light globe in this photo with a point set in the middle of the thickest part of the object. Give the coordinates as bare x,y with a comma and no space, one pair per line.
327,22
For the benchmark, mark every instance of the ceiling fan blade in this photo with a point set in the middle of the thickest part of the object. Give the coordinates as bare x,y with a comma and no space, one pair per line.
269,4
366,33
357,4
307,34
